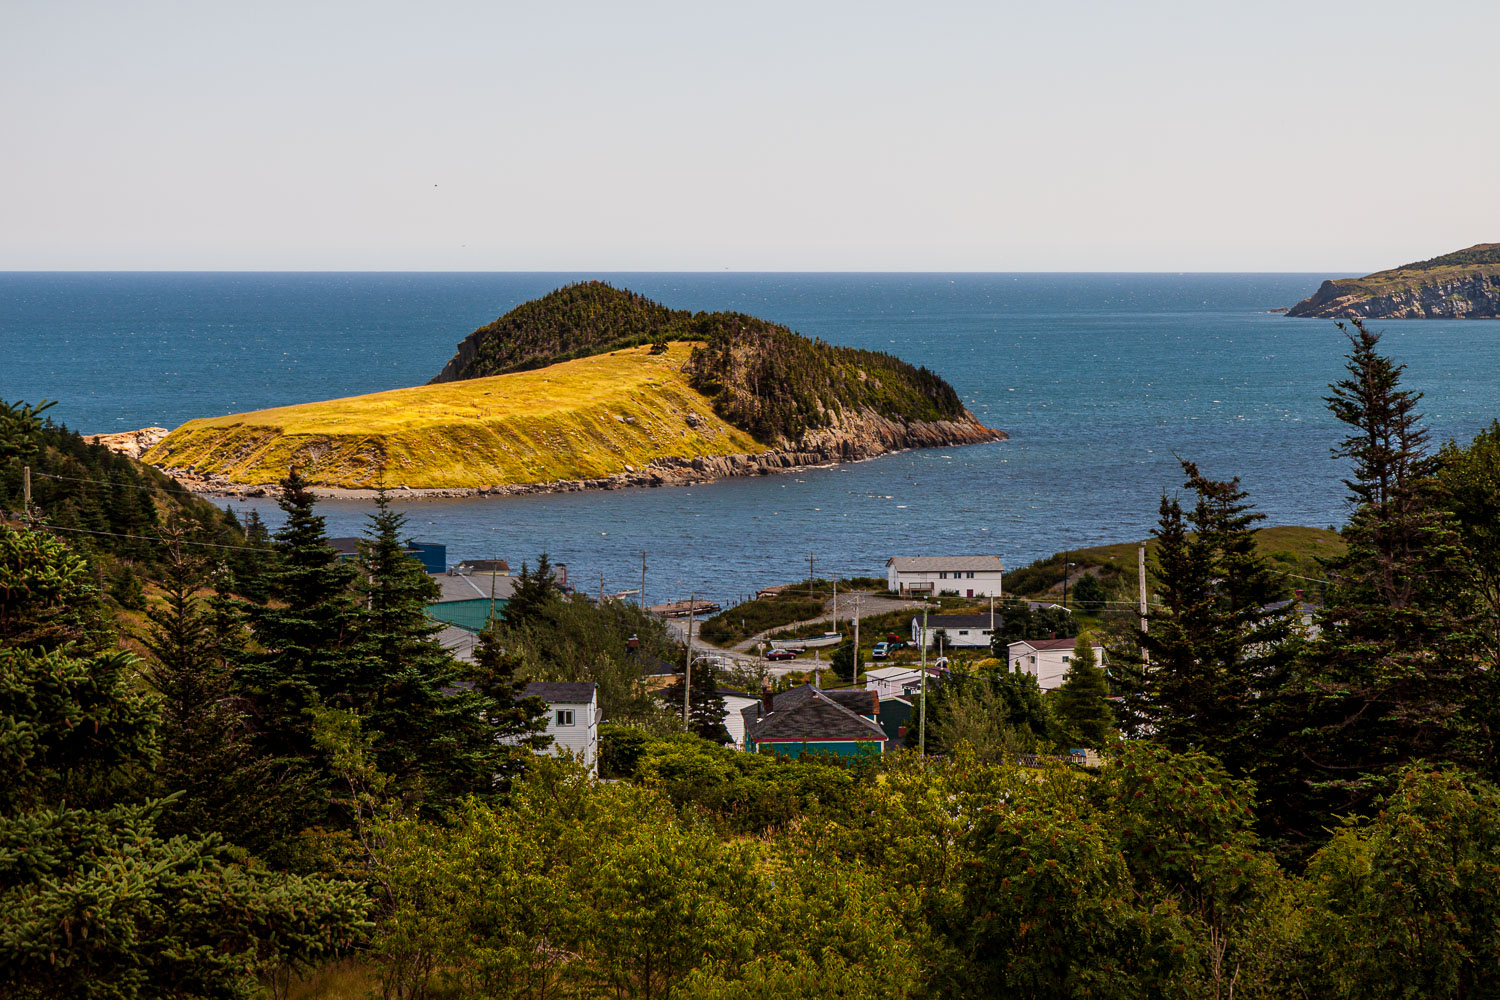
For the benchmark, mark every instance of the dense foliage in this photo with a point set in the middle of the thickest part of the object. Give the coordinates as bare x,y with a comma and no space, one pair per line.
761,376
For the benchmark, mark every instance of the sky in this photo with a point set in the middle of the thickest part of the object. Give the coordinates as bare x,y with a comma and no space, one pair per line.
762,136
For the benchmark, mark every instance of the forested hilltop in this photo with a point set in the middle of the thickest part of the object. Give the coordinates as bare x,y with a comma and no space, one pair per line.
1464,284
761,376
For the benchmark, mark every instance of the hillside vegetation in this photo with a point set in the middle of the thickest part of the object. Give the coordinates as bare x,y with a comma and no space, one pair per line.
586,418
761,376
1294,550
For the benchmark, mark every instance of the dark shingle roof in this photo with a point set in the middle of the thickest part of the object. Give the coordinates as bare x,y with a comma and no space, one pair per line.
556,692
806,715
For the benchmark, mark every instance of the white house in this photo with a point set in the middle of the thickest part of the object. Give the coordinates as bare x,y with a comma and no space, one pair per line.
896,682
959,631
735,703
572,717
1047,659
966,576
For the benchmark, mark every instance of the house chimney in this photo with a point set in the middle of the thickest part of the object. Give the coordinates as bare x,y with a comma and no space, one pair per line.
1298,593
767,699
1052,635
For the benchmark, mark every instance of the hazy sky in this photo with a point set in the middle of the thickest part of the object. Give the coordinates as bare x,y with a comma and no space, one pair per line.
1197,136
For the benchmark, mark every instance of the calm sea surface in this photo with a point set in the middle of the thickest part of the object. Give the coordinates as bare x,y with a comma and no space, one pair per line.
1100,379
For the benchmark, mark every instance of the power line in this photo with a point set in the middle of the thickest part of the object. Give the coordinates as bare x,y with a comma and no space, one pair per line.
155,538
111,482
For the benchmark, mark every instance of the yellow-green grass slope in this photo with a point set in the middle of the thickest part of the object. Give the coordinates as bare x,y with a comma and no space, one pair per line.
583,419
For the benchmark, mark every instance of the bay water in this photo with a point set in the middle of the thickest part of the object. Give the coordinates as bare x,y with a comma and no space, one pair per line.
1100,379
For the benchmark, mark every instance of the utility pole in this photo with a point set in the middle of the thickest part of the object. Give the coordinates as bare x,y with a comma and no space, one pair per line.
492,588
643,579
601,588
834,620
26,493
1140,559
687,673
854,675
1066,566
922,718
810,596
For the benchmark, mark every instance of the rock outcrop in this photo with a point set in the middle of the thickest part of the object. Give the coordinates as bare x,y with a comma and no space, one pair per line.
1461,285
133,444
1474,297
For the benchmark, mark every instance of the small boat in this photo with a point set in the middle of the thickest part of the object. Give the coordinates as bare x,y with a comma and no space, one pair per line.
816,642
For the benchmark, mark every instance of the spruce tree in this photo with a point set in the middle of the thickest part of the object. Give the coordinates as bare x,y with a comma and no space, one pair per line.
432,735
1217,650
705,703
535,592
1388,680
517,725
226,785
310,649
1083,713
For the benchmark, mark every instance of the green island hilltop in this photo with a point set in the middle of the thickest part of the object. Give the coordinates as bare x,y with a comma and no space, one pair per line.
1460,285
592,386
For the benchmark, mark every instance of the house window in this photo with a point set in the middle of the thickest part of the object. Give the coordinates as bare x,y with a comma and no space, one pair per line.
943,575
564,716
963,631
1065,659
971,575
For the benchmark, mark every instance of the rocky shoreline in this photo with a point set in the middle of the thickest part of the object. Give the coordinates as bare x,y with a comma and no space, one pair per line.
862,436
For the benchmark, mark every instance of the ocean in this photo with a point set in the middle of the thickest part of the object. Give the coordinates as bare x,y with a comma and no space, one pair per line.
1102,381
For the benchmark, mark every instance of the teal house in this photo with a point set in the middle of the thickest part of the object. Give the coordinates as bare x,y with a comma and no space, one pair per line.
843,722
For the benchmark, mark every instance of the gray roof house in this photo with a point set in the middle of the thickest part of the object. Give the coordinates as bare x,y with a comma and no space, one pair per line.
842,721
572,717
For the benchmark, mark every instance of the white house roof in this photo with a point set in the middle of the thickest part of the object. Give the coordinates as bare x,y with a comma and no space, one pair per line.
935,564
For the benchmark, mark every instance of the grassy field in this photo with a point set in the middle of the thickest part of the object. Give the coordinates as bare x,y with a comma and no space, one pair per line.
1476,261
581,419
1292,549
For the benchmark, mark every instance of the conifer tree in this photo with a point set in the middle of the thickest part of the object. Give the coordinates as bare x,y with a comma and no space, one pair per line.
517,725
311,650
1083,712
535,592
1388,679
705,703
226,784
432,737
1217,649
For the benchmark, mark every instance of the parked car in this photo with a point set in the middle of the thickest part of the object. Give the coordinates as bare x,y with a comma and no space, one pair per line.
780,654
881,650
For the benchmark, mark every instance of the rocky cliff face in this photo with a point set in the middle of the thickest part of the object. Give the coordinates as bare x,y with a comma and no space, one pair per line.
1469,297
131,443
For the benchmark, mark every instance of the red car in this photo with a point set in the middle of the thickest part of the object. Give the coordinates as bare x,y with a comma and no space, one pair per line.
780,654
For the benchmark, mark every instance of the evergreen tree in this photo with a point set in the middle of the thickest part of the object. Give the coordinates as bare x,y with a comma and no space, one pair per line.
1083,712
311,653
1217,651
1388,679
844,660
431,734
1088,592
535,593
226,785
517,725
97,902
1015,621
705,703
254,561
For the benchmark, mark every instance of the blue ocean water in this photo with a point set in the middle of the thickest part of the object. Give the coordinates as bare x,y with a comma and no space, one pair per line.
1100,379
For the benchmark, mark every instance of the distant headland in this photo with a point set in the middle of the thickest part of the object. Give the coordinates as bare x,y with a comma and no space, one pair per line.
591,387
1461,285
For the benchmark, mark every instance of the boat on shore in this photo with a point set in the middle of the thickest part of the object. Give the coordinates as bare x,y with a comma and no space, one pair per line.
816,642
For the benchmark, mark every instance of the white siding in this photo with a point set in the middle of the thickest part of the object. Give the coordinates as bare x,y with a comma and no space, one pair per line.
582,737
733,720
